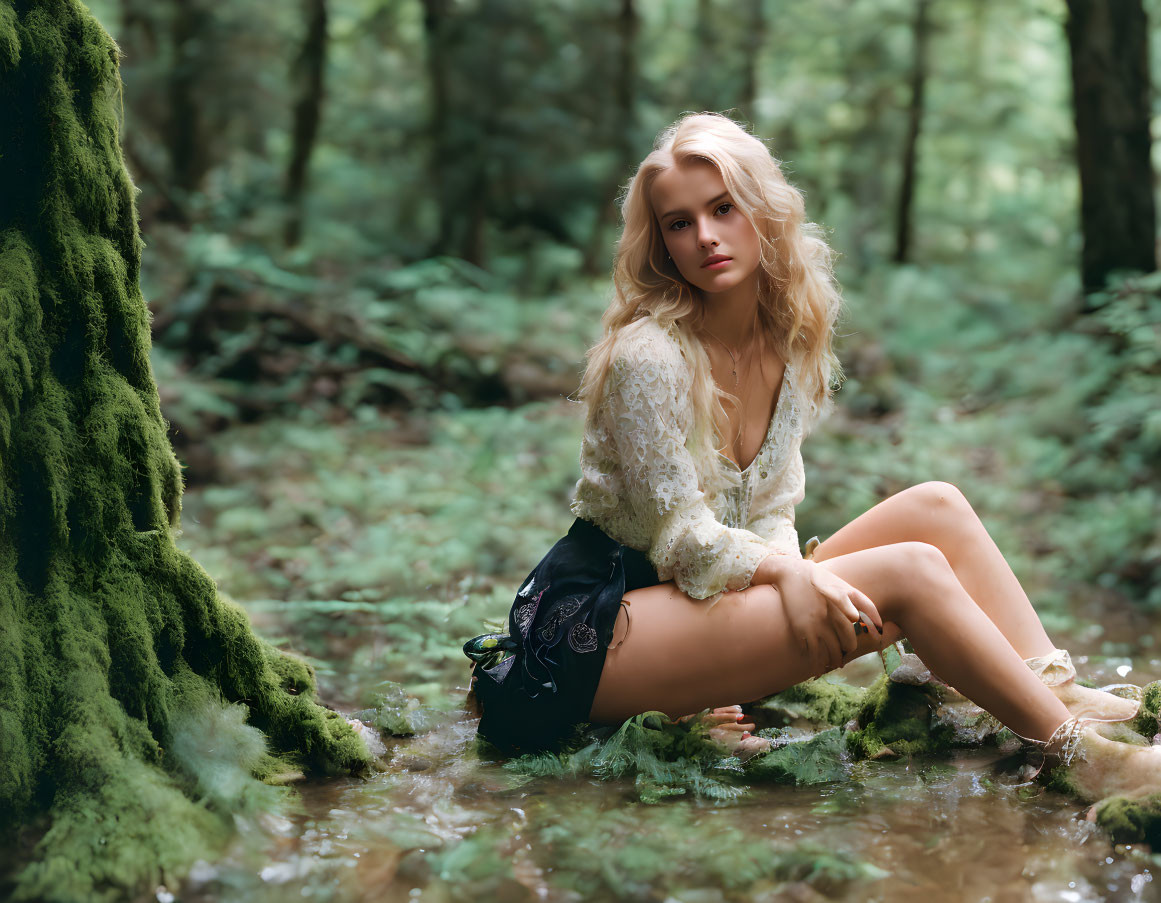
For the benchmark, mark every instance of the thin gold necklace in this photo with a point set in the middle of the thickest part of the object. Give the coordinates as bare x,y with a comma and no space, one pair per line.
736,444
733,357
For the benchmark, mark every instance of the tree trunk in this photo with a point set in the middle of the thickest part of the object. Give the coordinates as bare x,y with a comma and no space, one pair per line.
624,122
435,13
309,70
704,76
125,679
755,39
977,160
185,136
914,123
1110,86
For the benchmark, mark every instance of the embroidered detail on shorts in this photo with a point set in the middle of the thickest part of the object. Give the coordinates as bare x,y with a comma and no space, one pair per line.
565,608
524,617
525,613
582,638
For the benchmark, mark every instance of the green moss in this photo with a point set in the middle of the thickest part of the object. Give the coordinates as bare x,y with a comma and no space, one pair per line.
1147,721
1131,821
897,717
116,650
820,700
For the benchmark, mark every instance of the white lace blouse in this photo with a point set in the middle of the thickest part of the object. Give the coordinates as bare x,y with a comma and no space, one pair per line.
643,487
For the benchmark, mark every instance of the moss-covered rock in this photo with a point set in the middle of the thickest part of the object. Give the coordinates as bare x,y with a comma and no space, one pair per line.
116,650
1131,821
896,718
1148,720
821,700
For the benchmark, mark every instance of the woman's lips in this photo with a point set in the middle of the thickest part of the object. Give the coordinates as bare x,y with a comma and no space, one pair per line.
717,265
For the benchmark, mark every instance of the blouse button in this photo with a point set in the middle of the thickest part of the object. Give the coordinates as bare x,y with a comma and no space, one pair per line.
762,473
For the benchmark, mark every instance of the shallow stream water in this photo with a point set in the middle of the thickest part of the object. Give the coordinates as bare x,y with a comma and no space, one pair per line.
440,824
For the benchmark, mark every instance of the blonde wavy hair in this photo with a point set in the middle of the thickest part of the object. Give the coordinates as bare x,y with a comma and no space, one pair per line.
798,300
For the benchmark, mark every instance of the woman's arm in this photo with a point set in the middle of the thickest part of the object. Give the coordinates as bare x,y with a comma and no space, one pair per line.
824,621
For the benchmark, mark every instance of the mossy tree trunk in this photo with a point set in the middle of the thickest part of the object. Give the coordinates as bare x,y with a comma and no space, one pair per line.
112,641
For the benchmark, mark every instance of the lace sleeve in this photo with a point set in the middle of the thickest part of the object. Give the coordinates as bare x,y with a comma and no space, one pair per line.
689,544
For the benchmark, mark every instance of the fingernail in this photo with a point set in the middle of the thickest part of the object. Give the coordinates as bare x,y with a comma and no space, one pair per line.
740,716
745,734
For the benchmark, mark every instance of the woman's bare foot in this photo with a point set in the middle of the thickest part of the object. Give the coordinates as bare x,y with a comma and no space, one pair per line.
730,730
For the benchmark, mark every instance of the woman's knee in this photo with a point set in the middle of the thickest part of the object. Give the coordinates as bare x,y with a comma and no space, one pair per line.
940,496
919,571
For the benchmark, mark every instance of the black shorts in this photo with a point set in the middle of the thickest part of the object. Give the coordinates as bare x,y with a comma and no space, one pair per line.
538,681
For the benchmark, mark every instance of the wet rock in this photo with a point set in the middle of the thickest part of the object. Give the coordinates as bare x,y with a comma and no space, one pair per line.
1148,718
399,714
414,763
898,716
1131,821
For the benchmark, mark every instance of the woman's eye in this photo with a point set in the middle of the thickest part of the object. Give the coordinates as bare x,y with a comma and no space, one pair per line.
673,225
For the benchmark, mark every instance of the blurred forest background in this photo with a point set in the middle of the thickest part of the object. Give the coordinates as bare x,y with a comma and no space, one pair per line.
379,237
378,242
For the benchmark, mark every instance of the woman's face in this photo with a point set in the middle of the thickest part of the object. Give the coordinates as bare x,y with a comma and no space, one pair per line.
699,222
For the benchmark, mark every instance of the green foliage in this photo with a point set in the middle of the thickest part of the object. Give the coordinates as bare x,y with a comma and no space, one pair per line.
664,759
213,745
1113,466
667,759
816,760
970,366
240,343
626,854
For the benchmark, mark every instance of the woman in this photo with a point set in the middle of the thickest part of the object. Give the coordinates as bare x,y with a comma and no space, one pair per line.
681,586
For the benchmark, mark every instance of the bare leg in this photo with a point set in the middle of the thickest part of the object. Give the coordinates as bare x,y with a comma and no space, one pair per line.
684,654
938,513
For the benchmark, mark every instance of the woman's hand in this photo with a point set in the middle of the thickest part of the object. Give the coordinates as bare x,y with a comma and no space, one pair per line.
822,609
